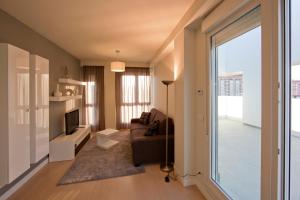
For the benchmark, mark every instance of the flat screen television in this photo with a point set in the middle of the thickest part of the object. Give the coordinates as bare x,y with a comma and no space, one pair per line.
72,121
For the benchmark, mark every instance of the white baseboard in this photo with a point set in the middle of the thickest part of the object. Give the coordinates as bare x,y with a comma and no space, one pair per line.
19,184
209,191
204,189
185,181
198,181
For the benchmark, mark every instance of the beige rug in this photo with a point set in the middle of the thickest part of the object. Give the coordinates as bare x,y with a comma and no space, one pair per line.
94,163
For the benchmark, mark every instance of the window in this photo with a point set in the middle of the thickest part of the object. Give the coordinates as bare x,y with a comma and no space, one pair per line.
90,102
132,94
291,142
236,108
136,96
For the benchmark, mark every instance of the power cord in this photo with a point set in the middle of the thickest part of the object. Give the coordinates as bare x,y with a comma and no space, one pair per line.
174,176
198,173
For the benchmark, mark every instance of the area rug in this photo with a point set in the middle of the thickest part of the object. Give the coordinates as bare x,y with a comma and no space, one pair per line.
94,163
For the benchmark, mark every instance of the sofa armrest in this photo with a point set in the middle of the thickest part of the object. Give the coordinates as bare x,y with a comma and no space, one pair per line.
151,149
135,120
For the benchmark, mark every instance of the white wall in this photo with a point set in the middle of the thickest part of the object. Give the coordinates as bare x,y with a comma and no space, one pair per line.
230,107
164,70
184,74
189,100
295,102
243,54
179,102
295,115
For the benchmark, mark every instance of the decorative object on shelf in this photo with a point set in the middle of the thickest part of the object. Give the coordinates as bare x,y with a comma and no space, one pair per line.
167,167
117,66
69,92
57,93
66,72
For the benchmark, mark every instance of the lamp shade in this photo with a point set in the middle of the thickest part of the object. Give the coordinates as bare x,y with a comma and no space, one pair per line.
117,66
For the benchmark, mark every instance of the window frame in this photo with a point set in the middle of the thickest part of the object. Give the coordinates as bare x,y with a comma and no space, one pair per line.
226,35
136,92
285,80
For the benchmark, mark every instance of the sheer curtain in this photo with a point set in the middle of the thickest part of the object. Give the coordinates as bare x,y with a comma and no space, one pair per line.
93,97
132,94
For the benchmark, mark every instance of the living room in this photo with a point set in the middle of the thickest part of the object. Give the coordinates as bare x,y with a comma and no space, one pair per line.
160,99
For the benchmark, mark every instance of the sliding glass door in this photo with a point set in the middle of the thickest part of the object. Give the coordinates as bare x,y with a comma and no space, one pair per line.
292,101
236,108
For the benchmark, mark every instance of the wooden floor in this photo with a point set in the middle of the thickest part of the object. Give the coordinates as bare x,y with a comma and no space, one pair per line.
146,186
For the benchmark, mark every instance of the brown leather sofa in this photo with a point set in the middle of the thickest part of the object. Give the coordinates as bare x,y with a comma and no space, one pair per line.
151,149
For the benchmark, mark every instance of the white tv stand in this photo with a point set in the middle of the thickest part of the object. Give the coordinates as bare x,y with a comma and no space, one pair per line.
65,147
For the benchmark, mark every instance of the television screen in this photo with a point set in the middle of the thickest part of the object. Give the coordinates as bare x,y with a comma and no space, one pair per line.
72,121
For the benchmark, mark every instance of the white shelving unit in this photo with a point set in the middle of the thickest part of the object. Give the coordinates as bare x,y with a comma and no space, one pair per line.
67,81
64,98
70,81
64,146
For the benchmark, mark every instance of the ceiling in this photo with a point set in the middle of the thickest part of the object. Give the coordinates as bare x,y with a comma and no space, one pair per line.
94,29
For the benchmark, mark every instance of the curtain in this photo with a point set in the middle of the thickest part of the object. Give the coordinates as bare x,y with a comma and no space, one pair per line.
132,95
93,97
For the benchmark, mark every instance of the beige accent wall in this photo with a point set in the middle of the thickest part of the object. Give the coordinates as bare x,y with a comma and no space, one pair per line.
109,88
18,34
109,98
164,70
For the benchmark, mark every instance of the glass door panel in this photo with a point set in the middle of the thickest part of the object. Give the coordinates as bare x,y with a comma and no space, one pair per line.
236,112
294,102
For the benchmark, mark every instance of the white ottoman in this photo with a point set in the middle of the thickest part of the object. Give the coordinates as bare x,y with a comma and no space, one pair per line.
103,140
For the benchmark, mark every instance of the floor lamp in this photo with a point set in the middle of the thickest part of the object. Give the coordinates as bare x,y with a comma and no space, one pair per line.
167,168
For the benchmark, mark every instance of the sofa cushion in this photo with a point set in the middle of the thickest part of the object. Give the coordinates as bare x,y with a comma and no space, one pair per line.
152,128
144,119
152,115
159,116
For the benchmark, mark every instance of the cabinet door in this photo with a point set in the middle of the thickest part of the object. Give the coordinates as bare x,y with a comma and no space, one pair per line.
42,108
18,94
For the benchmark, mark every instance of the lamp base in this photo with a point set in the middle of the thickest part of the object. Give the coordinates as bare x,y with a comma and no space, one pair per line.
166,168
167,179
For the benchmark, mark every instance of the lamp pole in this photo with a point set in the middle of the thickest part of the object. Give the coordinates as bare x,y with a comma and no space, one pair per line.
167,168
